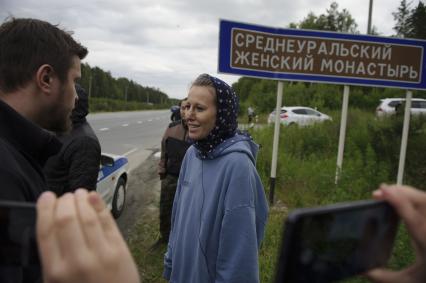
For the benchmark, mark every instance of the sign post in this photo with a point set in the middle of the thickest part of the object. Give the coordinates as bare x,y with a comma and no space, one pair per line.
342,135
404,139
323,57
276,141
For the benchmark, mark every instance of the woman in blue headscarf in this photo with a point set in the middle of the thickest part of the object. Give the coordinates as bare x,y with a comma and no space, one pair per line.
220,210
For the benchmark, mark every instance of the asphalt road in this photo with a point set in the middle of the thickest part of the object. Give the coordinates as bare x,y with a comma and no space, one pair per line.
133,134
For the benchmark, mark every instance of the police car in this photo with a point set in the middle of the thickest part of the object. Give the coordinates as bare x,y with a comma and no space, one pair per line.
112,181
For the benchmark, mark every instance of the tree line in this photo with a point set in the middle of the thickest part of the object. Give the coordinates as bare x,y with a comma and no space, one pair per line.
410,21
101,84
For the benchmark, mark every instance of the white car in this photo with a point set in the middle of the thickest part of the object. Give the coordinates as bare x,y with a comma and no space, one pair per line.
112,181
388,106
299,115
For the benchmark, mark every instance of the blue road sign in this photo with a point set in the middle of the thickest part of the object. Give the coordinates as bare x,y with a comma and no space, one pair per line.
317,56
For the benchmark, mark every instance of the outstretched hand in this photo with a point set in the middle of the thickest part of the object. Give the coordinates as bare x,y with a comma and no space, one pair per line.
79,241
410,204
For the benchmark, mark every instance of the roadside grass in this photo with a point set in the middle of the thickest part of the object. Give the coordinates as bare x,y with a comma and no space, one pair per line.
269,250
307,167
305,178
146,233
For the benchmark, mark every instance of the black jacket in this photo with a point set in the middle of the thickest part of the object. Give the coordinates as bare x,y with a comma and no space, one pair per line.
24,148
77,164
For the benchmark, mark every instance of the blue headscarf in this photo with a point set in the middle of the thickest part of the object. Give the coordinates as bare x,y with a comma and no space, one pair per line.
226,118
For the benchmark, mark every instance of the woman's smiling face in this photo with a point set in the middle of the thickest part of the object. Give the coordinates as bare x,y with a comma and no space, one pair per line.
201,111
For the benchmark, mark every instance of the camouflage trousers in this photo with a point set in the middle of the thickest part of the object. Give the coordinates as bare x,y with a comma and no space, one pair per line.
167,195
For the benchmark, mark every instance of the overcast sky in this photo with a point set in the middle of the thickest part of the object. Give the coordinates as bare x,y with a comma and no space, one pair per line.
167,43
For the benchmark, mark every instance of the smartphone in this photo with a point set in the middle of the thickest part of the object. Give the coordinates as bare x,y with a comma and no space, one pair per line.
330,243
18,245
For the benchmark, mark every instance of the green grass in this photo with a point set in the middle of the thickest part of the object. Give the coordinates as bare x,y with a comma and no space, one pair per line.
269,253
149,262
307,166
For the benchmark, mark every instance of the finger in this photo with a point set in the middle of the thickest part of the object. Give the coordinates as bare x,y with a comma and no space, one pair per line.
410,195
415,196
70,235
384,275
402,199
90,222
108,223
398,199
48,247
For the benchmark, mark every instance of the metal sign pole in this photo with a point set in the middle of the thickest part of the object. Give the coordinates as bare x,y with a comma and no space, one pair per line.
275,143
404,139
342,132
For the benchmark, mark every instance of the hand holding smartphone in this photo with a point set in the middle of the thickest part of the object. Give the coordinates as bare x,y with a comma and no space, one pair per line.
334,242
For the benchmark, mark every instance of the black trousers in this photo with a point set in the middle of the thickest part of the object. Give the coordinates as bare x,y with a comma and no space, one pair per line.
167,195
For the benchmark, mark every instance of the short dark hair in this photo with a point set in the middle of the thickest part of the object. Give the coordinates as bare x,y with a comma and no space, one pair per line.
27,44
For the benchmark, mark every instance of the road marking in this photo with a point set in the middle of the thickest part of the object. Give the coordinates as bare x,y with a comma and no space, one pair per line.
150,120
130,151
139,122
125,125
104,129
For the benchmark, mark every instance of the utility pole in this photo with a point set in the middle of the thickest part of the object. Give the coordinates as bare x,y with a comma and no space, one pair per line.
370,12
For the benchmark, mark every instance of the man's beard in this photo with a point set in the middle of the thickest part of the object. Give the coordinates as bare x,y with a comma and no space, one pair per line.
61,123
56,121
57,118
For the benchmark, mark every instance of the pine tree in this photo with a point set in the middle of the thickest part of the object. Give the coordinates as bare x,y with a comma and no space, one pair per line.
417,22
402,26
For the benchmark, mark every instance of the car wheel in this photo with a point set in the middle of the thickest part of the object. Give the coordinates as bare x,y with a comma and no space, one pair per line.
119,199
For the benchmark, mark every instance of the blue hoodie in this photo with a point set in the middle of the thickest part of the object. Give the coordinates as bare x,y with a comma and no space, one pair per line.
219,216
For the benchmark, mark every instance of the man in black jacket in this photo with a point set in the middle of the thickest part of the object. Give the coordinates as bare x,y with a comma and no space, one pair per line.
77,164
39,64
